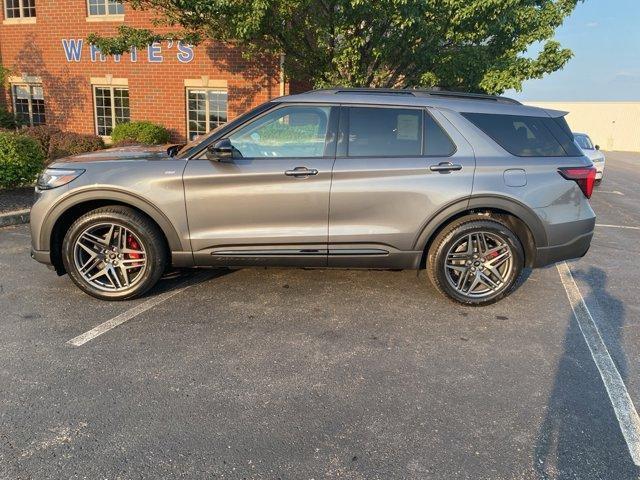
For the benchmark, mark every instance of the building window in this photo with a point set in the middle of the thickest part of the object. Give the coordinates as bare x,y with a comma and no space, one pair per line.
105,7
112,108
206,110
19,8
28,103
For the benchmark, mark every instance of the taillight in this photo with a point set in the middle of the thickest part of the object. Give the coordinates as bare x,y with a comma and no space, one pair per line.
585,177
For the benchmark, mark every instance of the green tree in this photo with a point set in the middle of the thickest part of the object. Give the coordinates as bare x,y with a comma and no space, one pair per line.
471,45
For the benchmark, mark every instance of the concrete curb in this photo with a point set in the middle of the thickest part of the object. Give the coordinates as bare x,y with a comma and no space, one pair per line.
16,217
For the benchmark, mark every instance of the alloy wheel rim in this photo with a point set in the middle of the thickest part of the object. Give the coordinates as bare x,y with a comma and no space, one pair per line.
479,264
110,257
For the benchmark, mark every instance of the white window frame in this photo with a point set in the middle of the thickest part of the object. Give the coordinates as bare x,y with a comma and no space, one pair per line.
30,86
21,18
123,85
207,105
104,17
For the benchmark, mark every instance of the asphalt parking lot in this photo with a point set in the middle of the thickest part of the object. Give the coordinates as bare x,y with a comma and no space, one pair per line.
313,374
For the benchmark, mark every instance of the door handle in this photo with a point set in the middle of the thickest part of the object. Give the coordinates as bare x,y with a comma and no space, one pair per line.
301,172
445,167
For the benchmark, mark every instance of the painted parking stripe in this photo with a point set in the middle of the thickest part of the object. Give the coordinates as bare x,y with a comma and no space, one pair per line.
614,192
616,226
623,406
131,313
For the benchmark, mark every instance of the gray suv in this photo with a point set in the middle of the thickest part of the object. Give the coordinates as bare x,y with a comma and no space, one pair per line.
472,188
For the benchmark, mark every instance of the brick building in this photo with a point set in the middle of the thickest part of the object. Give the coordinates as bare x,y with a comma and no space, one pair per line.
57,78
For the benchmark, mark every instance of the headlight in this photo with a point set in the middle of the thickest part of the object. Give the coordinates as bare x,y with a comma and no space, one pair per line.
57,177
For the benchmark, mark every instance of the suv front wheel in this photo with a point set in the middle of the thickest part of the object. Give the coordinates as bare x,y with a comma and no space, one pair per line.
475,261
114,253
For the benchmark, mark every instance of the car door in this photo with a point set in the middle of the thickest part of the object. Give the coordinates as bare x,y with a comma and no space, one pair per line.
269,203
396,167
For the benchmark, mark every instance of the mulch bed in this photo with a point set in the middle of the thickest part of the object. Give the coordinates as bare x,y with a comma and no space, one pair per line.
16,199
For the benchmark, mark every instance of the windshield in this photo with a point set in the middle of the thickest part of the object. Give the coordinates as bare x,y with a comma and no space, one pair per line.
203,139
584,142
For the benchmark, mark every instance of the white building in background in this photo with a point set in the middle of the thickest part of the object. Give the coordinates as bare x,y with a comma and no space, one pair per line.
612,125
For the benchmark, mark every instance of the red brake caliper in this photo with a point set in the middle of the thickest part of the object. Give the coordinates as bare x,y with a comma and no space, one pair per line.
133,245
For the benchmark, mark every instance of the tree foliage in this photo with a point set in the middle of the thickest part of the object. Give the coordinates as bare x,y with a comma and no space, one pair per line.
472,45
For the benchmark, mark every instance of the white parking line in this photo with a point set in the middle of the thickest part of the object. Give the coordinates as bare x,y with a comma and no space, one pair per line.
129,314
616,226
615,192
621,401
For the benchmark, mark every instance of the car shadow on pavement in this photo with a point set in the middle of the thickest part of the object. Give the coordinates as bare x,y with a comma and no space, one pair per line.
580,436
187,277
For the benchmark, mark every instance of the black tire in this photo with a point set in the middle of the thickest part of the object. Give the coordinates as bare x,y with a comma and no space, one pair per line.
142,227
456,232
598,181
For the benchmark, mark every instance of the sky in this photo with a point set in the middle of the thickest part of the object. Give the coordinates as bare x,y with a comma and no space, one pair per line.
604,36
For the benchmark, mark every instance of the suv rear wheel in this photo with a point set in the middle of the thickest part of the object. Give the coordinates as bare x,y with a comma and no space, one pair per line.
475,260
114,253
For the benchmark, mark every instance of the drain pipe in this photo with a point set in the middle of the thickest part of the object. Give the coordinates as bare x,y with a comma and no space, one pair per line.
282,82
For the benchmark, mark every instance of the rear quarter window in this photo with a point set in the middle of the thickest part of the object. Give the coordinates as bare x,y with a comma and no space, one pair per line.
436,142
525,136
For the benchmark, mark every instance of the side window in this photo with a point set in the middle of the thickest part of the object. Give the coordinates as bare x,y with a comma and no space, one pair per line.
584,142
525,136
296,131
384,132
560,130
436,142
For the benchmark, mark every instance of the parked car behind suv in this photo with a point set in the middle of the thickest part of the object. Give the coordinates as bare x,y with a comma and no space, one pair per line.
593,152
471,188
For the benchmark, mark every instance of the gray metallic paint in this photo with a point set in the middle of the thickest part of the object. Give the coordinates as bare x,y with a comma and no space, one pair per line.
268,208
357,212
380,201
152,186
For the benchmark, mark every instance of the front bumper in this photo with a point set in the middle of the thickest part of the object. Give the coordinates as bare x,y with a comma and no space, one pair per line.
42,256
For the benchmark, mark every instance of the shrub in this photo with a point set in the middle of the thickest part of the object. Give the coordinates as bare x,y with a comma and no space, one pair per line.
43,135
56,143
21,160
146,133
69,143
8,120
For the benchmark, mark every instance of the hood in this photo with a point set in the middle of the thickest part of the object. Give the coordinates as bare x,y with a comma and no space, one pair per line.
136,152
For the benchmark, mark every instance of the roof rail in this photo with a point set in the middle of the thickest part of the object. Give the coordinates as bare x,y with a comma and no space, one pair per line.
416,92
467,95
373,91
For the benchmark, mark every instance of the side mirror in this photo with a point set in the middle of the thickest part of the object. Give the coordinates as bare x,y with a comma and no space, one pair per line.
174,149
220,151
597,147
